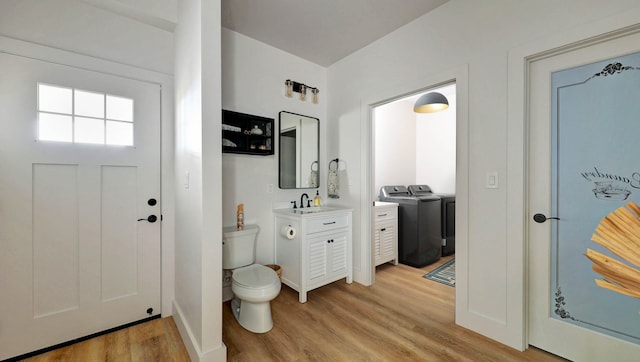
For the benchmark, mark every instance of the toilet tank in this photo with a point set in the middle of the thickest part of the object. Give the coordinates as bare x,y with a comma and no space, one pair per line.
239,246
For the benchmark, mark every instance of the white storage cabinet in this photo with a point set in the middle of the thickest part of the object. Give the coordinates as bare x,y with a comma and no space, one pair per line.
319,254
385,236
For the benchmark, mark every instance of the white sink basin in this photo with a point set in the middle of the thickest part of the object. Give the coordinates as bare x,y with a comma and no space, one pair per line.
311,210
305,210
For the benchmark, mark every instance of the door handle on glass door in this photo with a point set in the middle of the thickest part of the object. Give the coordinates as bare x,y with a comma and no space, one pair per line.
540,218
151,219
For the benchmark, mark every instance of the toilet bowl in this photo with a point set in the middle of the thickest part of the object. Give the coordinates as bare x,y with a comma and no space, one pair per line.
254,287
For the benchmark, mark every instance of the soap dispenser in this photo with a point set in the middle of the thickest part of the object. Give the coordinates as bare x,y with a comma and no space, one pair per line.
317,200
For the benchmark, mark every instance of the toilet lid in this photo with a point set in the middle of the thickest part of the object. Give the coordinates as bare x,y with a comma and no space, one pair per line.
255,276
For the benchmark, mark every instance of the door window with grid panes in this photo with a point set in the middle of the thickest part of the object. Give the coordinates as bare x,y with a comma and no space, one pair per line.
81,116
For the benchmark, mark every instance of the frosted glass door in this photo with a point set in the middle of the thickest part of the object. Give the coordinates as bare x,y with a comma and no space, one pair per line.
595,168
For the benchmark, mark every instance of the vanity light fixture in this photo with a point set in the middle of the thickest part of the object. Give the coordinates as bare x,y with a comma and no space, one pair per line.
292,86
431,102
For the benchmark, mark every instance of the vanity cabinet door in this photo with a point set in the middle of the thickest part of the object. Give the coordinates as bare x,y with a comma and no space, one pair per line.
388,242
384,240
317,258
327,256
377,243
338,253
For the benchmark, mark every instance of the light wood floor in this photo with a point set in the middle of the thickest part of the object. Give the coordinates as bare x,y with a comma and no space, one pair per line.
157,340
401,317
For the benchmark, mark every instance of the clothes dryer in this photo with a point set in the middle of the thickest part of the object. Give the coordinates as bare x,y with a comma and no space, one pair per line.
419,223
448,216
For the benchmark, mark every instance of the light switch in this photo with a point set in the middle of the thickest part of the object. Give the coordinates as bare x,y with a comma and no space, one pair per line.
492,180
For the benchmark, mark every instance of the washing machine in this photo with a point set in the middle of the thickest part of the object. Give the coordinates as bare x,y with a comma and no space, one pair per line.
447,216
419,223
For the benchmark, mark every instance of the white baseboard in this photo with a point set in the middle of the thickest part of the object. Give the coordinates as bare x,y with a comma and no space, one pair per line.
190,342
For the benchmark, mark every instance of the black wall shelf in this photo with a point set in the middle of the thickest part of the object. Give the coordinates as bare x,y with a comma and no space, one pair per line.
246,134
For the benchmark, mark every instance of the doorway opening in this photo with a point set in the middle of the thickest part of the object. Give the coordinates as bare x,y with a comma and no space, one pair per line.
416,151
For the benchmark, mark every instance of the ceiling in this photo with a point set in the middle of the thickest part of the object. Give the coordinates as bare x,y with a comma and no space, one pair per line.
321,31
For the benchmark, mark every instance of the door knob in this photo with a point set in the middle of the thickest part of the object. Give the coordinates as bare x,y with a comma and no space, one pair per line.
540,218
151,219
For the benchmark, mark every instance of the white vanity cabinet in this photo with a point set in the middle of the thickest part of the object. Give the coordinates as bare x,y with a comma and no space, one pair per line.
385,235
319,253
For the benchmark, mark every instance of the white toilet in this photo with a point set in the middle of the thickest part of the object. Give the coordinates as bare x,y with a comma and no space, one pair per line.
253,285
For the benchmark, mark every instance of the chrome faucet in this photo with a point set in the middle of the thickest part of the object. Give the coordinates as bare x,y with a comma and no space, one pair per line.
302,198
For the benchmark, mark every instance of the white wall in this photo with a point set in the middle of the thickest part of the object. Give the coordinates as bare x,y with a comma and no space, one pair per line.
159,13
85,29
198,300
476,36
436,147
415,148
253,76
395,145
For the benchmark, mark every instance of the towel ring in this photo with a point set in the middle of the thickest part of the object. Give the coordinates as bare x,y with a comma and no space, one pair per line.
314,163
336,162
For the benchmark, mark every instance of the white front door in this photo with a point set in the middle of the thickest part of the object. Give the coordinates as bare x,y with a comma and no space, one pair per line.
584,130
74,257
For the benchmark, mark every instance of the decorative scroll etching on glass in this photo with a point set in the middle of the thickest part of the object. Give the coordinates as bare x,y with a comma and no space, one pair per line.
595,170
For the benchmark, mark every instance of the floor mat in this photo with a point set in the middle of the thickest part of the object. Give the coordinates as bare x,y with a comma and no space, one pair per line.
445,273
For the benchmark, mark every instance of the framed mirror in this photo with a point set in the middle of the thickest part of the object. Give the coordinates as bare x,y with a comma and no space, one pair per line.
299,139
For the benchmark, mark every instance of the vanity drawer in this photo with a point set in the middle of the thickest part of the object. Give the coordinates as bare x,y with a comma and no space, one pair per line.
386,213
327,223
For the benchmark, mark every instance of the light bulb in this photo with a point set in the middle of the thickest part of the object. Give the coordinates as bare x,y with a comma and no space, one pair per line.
303,92
288,91
315,92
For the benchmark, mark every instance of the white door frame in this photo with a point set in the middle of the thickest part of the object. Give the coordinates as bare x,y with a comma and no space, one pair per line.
373,191
460,76
53,55
519,63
